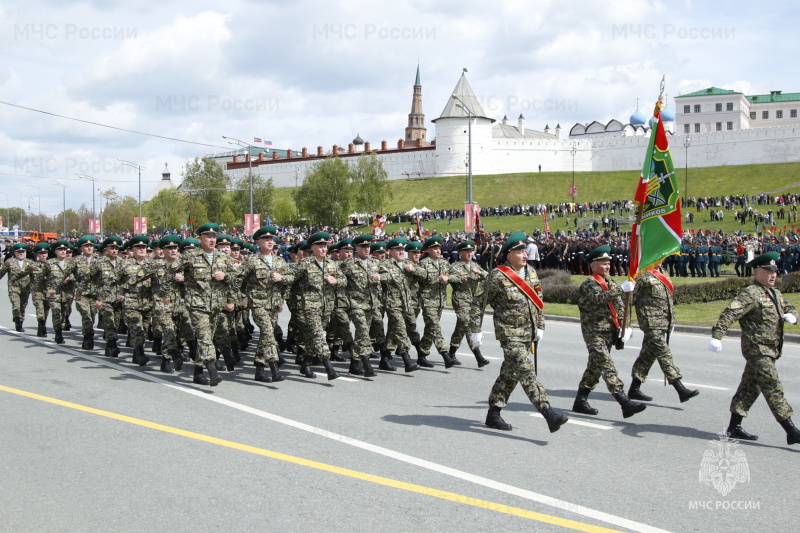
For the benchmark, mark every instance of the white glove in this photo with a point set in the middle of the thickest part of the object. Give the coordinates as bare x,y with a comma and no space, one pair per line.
715,345
628,285
790,318
476,338
539,334
628,334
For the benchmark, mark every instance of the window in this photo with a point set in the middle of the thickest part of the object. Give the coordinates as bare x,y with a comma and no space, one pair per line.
718,108
752,115
793,113
687,109
719,126
779,113
729,106
730,126
765,115
697,128
696,108
686,128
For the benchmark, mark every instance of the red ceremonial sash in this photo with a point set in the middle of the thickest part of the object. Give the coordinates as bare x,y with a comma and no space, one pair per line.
602,282
663,279
523,286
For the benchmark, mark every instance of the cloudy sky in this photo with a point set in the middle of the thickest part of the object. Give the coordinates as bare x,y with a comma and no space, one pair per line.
311,73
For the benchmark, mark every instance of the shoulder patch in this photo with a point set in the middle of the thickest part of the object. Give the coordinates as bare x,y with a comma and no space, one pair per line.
736,304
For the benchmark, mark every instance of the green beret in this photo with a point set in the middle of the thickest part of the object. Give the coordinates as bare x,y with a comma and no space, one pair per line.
41,247
20,246
87,239
331,247
265,232
345,244
72,248
139,240
155,243
170,241
224,239
414,246
207,229
468,246
189,244
377,247
59,245
767,261
303,245
319,238
249,247
432,242
236,243
113,241
395,243
362,240
601,253
515,241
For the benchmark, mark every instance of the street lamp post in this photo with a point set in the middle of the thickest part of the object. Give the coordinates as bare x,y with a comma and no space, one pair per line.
64,195
21,207
470,116
140,168
94,182
40,206
572,152
233,140
687,142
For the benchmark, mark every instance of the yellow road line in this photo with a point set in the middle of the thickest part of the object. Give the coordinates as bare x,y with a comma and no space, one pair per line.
419,489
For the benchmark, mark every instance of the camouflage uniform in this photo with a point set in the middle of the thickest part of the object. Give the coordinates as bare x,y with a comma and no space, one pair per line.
170,316
468,288
399,303
762,340
364,295
599,331
20,276
339,328
39,304
315,302
104,280
52,277
85,294
655,313
516,321
135,286
433,297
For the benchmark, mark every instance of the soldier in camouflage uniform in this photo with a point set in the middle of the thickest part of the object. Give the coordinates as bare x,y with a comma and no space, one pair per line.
339,335
377,332
226,340
432,274
294,342
206,278
265,279
761,311
84,291
364,297
242,309
42,309
104,277
414,253
50,282
20,271
137,293
69,290
397,300
467,279
655,313
514,293
600,302
315,279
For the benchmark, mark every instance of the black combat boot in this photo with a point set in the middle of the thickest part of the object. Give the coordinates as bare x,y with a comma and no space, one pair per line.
369,372
385,363
629,408
452,354
335,354
355,367
495,421
235,351
199,378
305,370
482,361
157,342
85,343
422,359
213,376
42,330
348,347
376,351
410,366
244,341
167,366
634,393
177,360
448,361
735,430
581,404
111,349
683,393
332,374
554,420
230,359
792,433
276,375
90,341
143,359
261,374
128,341
18,325
67,325
59,338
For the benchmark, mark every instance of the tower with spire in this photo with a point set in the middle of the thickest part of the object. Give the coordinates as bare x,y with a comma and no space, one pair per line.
416,119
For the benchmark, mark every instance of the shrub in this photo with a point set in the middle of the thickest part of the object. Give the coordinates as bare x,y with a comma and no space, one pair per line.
557,287
708,292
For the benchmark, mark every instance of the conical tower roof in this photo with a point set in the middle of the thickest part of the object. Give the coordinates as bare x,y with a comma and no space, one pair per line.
464,92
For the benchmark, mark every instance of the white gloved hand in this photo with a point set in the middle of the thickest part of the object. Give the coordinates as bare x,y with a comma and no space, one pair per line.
628,334
790,318
477,338
539,334
628,285
715,345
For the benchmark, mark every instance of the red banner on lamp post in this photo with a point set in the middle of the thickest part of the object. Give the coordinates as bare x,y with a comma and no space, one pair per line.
251,223
139,225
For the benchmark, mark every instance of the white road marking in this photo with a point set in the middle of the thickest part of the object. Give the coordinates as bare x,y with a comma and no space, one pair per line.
342,378
435,467
578,422
705,386
634,347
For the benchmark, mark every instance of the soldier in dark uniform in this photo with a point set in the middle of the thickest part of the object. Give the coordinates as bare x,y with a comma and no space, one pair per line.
701,254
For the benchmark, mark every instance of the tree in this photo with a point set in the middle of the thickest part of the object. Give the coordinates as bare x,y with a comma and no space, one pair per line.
262,196
371,189
166,211
285,213
204,181
119,212
324,197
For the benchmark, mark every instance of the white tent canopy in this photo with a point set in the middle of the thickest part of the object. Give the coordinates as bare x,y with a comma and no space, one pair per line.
358,215
413,211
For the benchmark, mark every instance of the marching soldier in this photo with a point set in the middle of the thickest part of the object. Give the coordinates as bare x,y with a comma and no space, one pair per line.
137,296
468,282
600,302
655,312
50,282
398,297
84,291
514,293
761,311
363,294
226,339
104,278
377,332
339,328
42,251
20,272
414,253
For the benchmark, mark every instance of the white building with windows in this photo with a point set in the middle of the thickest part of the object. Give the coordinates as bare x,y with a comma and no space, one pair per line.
716,109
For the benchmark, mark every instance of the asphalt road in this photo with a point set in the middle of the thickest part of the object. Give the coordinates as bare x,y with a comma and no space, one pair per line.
90,443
